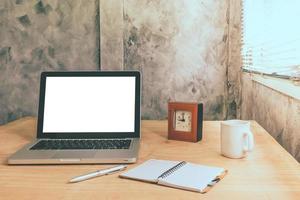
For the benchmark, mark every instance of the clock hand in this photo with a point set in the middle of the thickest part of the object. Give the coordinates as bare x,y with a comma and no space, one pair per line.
181,120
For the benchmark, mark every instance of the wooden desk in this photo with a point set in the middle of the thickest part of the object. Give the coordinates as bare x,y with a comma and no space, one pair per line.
269,172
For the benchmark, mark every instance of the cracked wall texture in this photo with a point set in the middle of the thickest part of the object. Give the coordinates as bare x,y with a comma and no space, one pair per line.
42,35
277,113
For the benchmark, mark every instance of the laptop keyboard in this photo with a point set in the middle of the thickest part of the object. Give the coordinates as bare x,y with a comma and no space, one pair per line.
75,144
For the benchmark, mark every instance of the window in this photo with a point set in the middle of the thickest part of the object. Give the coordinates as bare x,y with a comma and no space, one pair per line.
271,37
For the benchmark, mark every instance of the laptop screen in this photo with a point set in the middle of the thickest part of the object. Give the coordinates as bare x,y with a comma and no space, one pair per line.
89,104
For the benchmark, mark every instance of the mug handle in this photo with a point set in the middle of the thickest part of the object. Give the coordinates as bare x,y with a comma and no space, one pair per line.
248,141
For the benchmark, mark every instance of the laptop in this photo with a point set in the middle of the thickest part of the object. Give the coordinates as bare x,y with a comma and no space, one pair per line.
85,117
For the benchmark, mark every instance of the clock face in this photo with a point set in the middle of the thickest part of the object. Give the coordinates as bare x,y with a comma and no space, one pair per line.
183,121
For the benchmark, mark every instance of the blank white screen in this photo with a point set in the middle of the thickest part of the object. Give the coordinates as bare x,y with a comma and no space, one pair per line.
89,104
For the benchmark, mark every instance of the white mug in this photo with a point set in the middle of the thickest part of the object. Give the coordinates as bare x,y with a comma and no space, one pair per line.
236,138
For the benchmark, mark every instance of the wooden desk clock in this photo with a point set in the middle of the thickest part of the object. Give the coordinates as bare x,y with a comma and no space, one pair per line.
185,121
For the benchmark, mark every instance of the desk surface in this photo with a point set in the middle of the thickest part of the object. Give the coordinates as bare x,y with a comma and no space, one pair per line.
269,172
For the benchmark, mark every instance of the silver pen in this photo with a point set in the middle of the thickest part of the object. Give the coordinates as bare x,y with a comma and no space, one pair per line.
97,173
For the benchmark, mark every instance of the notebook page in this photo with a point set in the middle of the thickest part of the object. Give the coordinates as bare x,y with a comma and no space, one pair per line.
149,170
192,177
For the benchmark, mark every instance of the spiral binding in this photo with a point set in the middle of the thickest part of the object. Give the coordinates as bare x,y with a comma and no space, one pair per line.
171,170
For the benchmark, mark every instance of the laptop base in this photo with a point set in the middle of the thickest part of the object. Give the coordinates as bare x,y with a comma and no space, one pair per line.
26,156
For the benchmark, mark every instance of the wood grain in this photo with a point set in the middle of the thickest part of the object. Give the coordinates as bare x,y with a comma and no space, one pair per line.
269,172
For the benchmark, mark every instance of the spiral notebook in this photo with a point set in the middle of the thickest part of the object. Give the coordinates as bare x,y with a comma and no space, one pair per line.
177,174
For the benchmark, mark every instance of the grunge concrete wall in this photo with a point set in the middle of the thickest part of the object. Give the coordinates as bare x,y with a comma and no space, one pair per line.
185,50
42,35
181,47
279,114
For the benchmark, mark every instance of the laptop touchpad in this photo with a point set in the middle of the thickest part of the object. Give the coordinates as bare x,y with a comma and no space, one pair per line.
74,154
